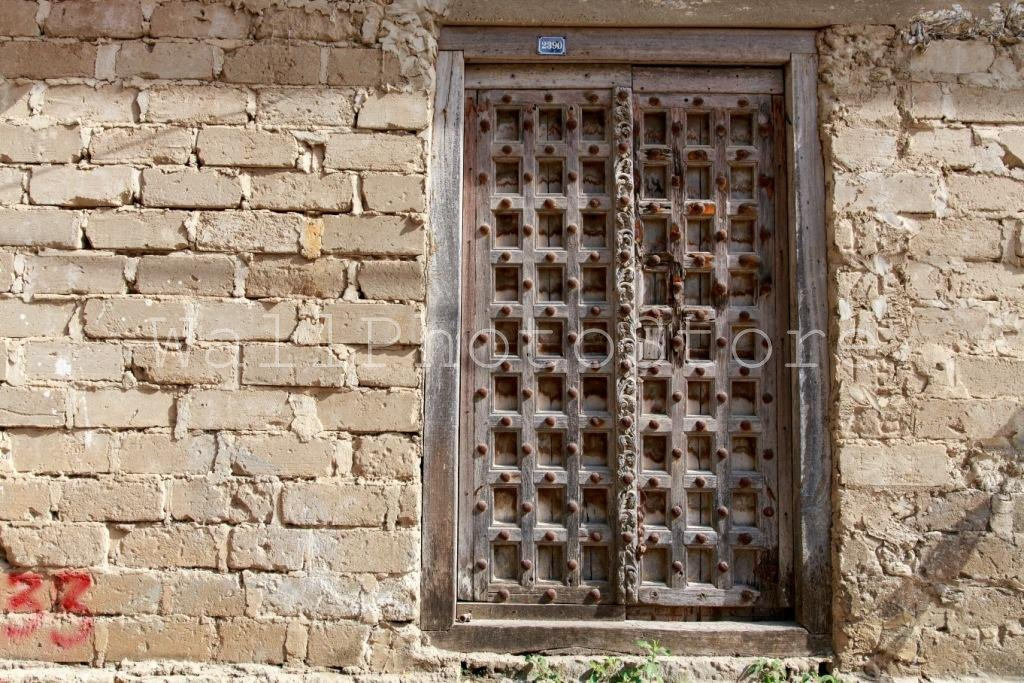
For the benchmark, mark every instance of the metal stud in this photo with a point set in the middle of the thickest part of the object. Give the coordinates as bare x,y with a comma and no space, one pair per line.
573,283
481,392
744,482
594,595
503,535
505,256
527,449
549,477
699,371
627,478
505,204
549,536
626,421
699,482
549,310
505,366
527,230
485,125
506,149
719,288
766,397
768,511
744,315
571,228
573,391
745,425
722,511
550,594
595,310
746,538
596,422
595,478
677,567
571,175
503,594
653,424
677,453
572,449
677,396
549,421
697,101
573,506
527,507
723,566
484,229
505,477
744,370
768,454
595,536
700,539
722,453
700,425
526,564
747,595
481,564
677,511
722,397
652,483
506,421
527,177
506,310
481,448
572,565
627,537
527,283
481,506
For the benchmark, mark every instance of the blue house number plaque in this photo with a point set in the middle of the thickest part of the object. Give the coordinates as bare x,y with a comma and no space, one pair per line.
551,45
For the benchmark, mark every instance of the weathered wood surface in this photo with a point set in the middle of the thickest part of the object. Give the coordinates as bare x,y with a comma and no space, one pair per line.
707,80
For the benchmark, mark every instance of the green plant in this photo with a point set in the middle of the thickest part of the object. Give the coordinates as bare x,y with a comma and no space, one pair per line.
767,671
612,670
540,670
813,677
602,670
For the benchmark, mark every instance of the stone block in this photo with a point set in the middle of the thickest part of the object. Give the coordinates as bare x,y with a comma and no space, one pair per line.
986,193
178,545
91,105
186,274
160,638
900,192
394,193
953,147
123,592
166,60
155,453
309,23
305,106
55,545
19,18
249,640
254,231
392,280
387,456
965,103
189,366
24,500
190,188
257,410
273,63
361,66
12,185
965,238
35,319
394,552
147,230
316,595
975,420
77,187
146,145
316,504
107,500
61,452
14,100
373,152
296,191
194,19
137,318
990,377
124,408
40,228
373,235
371,410
39,60
7,274
64,360
337,644
75,273
33,145
218,500
394,111
324,278
380,325
205,594
32,407
235,321
281,455
268,548
287,365
224,146
196,104
953,57
106,19
394,367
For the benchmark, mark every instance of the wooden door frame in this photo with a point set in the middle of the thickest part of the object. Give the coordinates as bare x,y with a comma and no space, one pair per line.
796,54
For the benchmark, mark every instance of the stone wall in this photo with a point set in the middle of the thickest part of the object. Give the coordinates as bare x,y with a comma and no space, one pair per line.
925,150
203,206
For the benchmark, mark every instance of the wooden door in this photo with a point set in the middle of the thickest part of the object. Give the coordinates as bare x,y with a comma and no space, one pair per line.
620,424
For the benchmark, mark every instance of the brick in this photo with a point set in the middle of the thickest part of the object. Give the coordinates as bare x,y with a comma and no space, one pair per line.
35,319
989,281
191,365
39,60
387,456
136,318
191,19
235,321
396,599
12,185
332,504
51,452
152,453
372,410
166,61
186,274
24,500
362,152
273,63
222,146
218,500
19,18
1012,140
990,377
122,592
394,111
101,104
387,367
76,361
302,23
148,230
969,104
901,192
337,644
287,365
146,145
305,106
7,274
267,548
986,193
205,594
394,552
40,228
69,186
377,324
130,409
159,638
58,545
190,188
89,500
178,545
296,191
316,596
75,273
36,407
409,498
259,231
281,456
952,147
394,193
38,641
32,145
14,100
392,280
94,19
976,420
373,235
965,238
361,66
952,57
324,278
213,409
248,640
195,104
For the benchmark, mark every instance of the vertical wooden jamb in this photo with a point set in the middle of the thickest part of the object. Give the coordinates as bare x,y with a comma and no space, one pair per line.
441,346
811,353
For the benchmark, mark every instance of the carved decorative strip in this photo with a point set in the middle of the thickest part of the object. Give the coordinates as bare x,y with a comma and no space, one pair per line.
625,347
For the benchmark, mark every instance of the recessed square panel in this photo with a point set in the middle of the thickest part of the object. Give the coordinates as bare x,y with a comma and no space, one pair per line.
551,506
743,399
741,129
655,235
741,235
552,176
506,338
505,562
741,182
656,288
508,125
656,128
550,563
697,289
745,342
595,342
698,342
655,392
699,566
552,125
595,506
744,567
698,128
506,393
655,504
596,563
550,231
742,289
744,453
506,283
698,452
698,398
595,177
596,451
652,341
506,177
550,394
550,338
595,230
550,283
595,284
698,182
506,449
655,451
699,235
656,183
654,566
595,394
744,508
506,505
595,125
550,449
506,230
699,506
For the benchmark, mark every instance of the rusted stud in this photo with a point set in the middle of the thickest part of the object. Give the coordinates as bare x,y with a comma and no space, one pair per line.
505,477
528,124
766,397
697,101
573,392
768,511
595,477
505,256
722,397
677,453
722,453
627,537
746,538
594,203
506,149
677,511
744,315
483,338
654,101
677,567
745,425
482,392
481,448
622,147
626,421
654,539
596,422
594,595
742,154
721,182
723,566
764,130
652,371
527,283
527,393
591,97
719,288
527,449
749,260
503,594
625,309
484,229
503,535
549,149
527,507
768,454
699,315
653,424
481,564
505,366
481,506
747,595
699,371
677,285
698,261
720,130
485,125
743,102
701,539
505,310
527,229
744,370
550,594
506,421
505,204
652,483
676,128
548,97
572,449
527,177
677,396
482,177
722,511
744,482
549,257
526,564
571,228
627,478
549,477
573,506
678,343
720,235
721,342
549,203
549,421
595,536
571,565
506,98
570,124
699,482
549,536
549,310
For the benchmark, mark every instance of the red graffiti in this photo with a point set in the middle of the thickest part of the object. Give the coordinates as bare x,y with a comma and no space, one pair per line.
29,583
71,586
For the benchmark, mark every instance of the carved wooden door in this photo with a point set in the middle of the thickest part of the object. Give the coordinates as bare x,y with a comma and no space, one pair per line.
625,306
